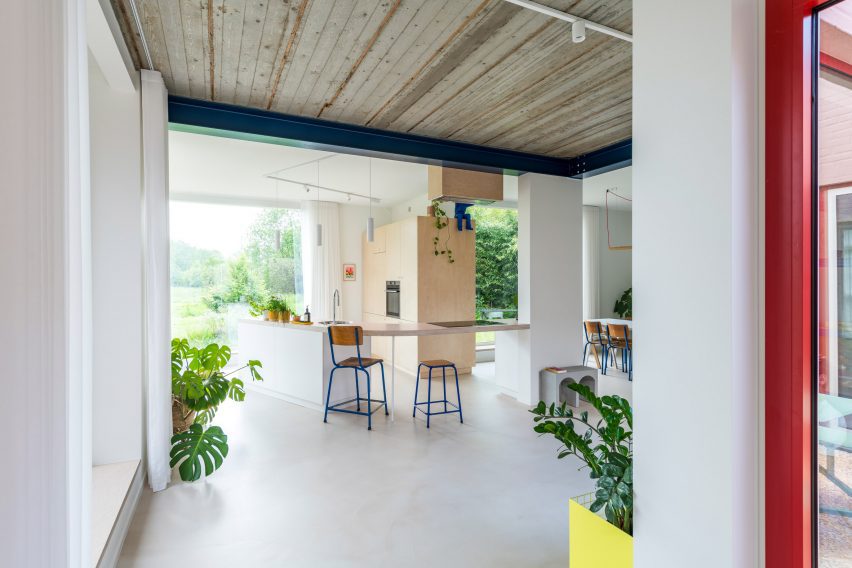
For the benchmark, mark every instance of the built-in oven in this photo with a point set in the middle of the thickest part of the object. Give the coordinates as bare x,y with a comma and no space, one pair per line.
392,298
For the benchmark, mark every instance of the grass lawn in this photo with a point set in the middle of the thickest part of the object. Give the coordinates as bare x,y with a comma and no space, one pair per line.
192,319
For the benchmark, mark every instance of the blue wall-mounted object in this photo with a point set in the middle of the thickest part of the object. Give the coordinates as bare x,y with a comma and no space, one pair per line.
463,217
233,121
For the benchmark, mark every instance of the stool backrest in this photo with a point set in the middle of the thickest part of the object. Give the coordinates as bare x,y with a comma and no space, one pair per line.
351,335
594,332
618,332
346,335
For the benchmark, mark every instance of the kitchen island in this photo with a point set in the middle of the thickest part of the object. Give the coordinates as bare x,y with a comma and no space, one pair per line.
296,358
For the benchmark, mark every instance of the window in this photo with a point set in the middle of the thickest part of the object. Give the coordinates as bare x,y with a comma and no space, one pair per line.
225,256
833,195
496,266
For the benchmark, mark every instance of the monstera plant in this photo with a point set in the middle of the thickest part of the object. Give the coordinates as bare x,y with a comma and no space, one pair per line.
199,386
605,447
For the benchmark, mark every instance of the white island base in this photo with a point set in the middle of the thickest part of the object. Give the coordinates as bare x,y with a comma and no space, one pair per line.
296,363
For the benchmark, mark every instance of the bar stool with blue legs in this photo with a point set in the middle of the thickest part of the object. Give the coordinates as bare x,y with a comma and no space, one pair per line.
443,365
353,335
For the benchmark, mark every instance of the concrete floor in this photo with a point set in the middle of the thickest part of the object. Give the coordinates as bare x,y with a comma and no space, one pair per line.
297,492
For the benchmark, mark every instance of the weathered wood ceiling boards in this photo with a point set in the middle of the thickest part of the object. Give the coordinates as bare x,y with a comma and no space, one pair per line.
481,71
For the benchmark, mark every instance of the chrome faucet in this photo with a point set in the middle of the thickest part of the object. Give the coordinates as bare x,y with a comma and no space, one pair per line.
335,302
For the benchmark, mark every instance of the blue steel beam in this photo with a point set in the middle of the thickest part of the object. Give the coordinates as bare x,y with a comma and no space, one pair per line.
247,123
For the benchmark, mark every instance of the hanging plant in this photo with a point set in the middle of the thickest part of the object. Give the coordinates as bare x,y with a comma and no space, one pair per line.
442,222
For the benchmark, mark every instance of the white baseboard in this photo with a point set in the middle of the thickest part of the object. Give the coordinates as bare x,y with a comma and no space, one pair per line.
112,550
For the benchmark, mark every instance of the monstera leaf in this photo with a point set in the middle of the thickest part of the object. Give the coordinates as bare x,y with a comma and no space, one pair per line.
198,447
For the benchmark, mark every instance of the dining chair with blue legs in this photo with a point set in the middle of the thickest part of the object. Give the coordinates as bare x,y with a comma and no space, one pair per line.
353,336
620,340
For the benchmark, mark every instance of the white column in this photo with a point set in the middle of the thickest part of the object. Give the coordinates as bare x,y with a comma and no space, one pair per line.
155,170
45,288
695,245
550,276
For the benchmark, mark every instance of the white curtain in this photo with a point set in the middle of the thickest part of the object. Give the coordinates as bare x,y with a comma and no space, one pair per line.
157,286
591,260
321,264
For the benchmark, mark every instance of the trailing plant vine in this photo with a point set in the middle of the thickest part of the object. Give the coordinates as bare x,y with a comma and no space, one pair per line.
199,386
441,222
605,447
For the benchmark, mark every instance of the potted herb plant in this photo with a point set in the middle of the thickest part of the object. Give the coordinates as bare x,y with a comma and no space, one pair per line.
199,386
605,446
281,307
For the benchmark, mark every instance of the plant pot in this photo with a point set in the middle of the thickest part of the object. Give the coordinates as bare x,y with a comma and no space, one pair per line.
271,315
284,317
593,542
179,423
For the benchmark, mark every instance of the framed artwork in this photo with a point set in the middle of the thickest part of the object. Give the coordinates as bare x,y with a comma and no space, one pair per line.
349,273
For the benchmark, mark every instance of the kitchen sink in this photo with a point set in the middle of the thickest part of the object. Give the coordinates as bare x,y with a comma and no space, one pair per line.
334,322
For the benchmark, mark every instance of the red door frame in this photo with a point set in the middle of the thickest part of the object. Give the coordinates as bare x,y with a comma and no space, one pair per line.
788,284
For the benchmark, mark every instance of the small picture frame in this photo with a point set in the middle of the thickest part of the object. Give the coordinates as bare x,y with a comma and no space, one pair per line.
349,273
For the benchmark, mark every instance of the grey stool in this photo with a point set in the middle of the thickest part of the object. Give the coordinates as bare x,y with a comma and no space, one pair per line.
553,386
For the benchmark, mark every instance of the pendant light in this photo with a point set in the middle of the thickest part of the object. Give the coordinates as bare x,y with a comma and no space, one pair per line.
278,228
370,221
319,225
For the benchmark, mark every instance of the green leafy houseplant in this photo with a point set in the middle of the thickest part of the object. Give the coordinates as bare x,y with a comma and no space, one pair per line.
441,222
624,304
199,386
605,447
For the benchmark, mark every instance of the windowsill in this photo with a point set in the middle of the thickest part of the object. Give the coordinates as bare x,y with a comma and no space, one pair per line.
110,485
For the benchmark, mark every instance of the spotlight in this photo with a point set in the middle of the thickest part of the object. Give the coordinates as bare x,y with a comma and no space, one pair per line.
578,31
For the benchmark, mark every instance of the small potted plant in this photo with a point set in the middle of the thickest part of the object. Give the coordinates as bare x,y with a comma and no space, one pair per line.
281,309
605,446
259,307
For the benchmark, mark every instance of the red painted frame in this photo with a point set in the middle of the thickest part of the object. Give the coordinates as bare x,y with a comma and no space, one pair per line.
788,284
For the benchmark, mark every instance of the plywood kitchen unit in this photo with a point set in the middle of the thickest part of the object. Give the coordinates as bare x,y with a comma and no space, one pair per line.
431,289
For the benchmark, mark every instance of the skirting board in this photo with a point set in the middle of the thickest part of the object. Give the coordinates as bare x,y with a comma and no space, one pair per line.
112,550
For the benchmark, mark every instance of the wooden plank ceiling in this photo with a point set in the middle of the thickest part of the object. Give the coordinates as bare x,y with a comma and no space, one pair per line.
480,71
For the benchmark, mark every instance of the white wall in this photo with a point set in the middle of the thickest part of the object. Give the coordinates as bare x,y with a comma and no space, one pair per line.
615,266
413,207
353,224
695,166
45,288
116,271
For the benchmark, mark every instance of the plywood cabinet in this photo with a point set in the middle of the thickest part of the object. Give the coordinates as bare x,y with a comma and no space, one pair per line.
393,251
373,273
431,289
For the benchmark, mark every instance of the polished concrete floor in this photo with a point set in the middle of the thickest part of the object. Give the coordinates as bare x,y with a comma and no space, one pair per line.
297,492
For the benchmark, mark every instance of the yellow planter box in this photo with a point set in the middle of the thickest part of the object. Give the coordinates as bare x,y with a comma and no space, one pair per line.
594,543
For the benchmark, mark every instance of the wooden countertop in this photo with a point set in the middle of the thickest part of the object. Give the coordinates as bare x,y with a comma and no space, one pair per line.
376,329
409,329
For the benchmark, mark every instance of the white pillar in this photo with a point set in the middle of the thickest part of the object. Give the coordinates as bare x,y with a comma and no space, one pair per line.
695,245
550,276
45,287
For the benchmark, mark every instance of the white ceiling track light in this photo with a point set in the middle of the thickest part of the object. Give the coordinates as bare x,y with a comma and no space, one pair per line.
575,31
319,225
307,187
578,31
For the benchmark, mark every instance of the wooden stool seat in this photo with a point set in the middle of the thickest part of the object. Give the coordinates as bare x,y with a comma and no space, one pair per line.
363,362
437,363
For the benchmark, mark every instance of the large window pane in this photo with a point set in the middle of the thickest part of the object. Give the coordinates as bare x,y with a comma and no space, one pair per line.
833,422
224,256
